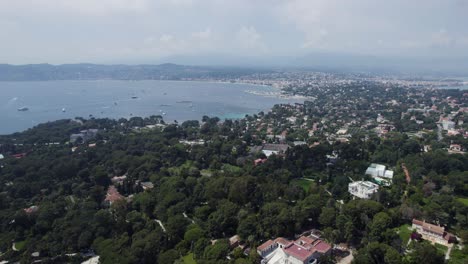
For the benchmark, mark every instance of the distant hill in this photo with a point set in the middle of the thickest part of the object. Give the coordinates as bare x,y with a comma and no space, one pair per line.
342,62
167,71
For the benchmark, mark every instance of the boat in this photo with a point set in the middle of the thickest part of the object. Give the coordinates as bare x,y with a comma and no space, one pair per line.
23,109
164,105
134,97
164,113
64,110
184,102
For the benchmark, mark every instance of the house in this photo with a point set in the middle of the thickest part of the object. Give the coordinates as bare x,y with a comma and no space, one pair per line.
259,161
147,185
433,233
31,210
380,174
455,148
299,143
305,250
270,149
112,195
85,135
234,241
118,180
19,155
453,132
447,124
192,142
362,189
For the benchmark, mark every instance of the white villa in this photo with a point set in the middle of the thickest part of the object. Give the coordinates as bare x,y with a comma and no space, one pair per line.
305,250
270,149
447,124
380,174
362,189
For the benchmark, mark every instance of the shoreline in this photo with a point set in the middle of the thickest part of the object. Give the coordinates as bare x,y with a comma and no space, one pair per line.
264,91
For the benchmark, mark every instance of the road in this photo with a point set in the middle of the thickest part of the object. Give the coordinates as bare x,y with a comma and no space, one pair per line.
439,132
160,224
347,260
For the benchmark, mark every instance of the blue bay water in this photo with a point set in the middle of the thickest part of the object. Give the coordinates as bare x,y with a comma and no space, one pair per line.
113,99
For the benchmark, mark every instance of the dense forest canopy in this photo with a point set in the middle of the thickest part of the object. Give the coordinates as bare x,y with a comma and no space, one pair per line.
185,189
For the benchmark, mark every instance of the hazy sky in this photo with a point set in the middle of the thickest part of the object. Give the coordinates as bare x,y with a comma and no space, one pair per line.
113,31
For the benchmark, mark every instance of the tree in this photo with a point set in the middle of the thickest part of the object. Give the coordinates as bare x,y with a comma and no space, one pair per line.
376,253
426,253
380,223
327,217
193,234
218,251
169,256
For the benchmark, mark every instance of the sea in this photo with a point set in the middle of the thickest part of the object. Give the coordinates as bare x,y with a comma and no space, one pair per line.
174,100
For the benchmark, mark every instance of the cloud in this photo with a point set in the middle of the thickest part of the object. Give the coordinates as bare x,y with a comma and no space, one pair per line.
441,39
61,31
166,38
249,39
202,35
76,7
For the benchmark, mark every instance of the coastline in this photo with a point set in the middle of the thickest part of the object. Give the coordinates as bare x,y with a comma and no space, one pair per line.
222,105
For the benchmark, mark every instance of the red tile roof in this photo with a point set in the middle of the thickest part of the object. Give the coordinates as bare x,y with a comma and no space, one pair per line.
282,241
299,252
305,239
265,245
322,247
430,227
113,195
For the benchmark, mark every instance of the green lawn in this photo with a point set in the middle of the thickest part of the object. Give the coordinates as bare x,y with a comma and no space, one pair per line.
20,245
188,259
404,232
206,173
441,248
232,169
463,201
305,184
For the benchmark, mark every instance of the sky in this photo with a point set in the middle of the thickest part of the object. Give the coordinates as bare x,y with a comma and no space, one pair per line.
147,31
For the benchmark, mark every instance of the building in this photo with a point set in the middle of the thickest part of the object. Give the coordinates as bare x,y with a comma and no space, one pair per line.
84,135
234,241
305,250
112,196
20,155
31,210
433,233
270,149
455,148
259,161
362,189
147,185
448,125
380,174
118,180
192,142
299,143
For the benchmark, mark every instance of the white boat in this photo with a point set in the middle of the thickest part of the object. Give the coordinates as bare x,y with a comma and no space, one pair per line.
23,109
